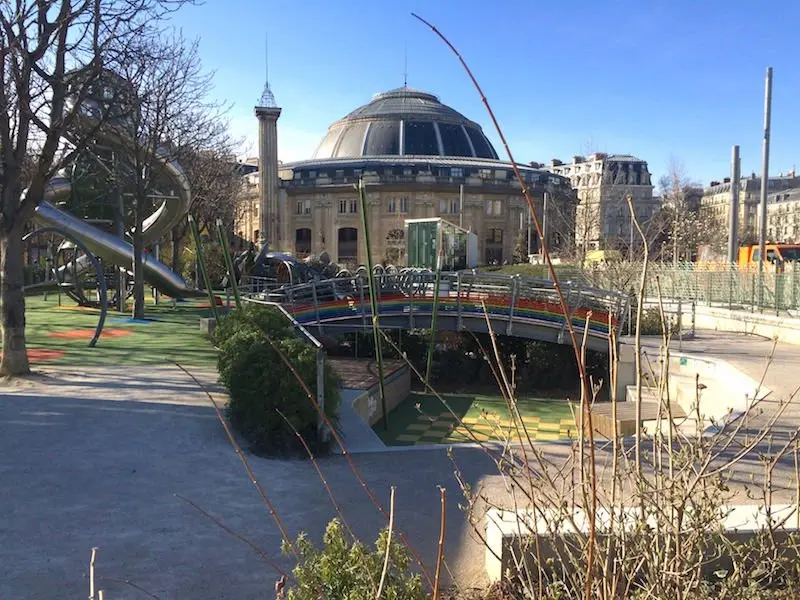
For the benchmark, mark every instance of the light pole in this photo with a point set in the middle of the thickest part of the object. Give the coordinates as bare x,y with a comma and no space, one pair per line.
544,226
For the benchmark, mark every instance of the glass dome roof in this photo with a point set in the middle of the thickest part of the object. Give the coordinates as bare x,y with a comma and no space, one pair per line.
405,122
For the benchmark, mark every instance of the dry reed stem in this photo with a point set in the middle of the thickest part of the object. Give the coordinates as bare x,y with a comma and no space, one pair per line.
592,475
638,340
498,460
91,573
320,474
389,547
525,193
235,534
440,554
243,458
343,448
518,423
131,584
327,487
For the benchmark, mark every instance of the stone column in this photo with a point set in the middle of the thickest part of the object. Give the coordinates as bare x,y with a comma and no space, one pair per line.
268,174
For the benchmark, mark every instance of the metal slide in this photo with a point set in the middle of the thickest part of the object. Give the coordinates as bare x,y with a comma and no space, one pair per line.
113,250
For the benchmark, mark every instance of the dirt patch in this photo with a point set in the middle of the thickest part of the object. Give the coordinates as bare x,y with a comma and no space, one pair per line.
217,301
41,354
87,334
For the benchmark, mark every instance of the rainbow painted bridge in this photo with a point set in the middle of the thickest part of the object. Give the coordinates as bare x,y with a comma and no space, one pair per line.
468,301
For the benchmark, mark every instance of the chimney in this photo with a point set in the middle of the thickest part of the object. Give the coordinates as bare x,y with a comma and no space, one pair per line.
555,162
726,180
577,159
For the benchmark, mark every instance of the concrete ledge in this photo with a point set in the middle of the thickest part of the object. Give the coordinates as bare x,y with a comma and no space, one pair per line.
397,386
726,393
208,325
785,329
509,534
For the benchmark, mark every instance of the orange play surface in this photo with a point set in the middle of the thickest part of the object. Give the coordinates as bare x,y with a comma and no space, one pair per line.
87,334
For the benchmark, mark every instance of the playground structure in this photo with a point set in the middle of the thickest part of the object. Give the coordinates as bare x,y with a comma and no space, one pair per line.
85,243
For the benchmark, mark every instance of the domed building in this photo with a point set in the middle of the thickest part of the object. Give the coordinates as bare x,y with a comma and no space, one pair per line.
419,158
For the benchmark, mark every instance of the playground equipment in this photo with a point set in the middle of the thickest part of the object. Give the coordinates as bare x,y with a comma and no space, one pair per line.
93,241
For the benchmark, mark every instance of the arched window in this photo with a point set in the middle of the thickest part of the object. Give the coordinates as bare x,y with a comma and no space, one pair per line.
395,246
348,245
302,242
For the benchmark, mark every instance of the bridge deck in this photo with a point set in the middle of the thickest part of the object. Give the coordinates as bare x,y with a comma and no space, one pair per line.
515,305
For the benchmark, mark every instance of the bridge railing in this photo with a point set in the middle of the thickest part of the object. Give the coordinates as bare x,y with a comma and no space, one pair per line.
460,289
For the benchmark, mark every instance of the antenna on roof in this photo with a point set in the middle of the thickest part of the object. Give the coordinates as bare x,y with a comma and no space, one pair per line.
405,65
267,97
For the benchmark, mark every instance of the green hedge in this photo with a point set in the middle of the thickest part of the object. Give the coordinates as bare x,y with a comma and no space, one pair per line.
259,383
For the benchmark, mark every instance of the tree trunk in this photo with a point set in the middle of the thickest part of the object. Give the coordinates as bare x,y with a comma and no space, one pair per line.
138,271
12,304
175,241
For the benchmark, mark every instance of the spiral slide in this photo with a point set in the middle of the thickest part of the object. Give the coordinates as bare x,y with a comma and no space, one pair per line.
113,250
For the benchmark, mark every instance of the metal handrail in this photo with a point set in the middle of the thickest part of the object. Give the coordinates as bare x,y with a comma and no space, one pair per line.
463,286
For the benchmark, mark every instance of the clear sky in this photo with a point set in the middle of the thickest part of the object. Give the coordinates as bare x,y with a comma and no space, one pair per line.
658,79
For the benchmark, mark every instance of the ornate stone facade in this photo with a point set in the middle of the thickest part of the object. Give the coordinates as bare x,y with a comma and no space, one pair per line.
603,182
418,158
715,205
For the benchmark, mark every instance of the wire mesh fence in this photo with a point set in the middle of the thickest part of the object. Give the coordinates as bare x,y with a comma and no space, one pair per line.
732,288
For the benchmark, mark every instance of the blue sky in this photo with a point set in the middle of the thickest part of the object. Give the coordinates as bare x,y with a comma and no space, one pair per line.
659,79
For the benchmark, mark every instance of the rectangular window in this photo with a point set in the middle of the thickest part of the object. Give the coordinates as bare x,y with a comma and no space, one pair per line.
456,172
307,207
342,207
494,208
299,207
312,174
403,204
443,207
297,174
391,205
340,173
353,206
498,174
494,236
454,206
356,172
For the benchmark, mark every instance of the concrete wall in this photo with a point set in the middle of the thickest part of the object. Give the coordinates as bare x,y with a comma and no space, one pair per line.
397,387
509,534
786,329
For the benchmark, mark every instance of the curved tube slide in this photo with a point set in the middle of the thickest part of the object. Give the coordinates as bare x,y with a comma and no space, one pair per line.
114,250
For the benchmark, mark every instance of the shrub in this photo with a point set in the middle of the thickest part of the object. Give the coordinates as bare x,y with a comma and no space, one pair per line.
348,570
212,257
651,322
259,383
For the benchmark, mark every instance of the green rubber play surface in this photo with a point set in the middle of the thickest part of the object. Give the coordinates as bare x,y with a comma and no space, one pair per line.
423,419
60,335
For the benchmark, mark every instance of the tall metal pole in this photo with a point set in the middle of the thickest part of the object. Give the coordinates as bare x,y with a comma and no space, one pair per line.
733,222
544,225
529,235
461,206
762,232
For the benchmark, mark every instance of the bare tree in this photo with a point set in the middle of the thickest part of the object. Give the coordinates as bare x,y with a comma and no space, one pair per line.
52,54
682,230
173,113
217,187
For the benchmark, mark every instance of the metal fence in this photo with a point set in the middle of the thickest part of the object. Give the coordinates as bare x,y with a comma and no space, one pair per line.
730,288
